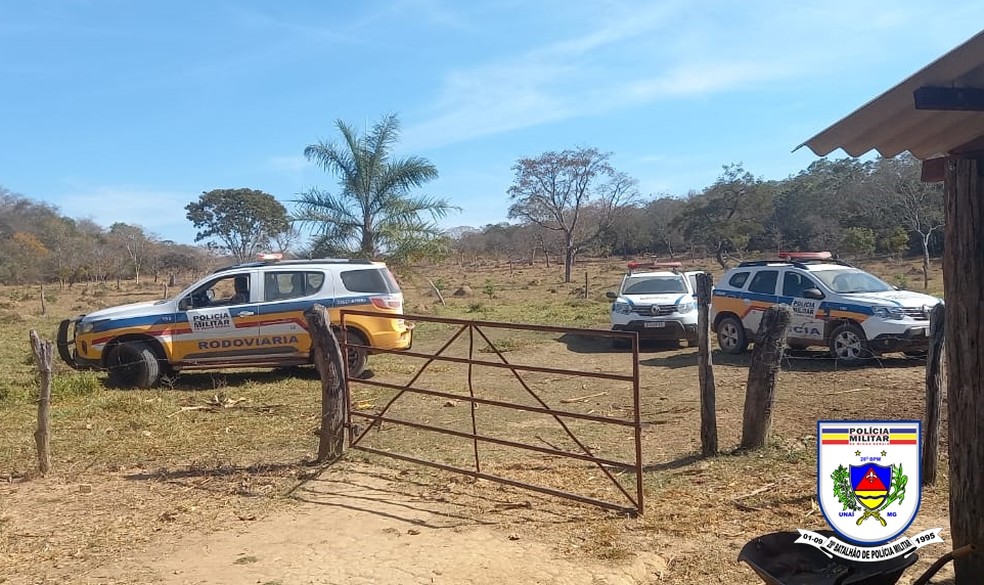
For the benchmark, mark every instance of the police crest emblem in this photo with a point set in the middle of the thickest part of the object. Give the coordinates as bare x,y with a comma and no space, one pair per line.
869,488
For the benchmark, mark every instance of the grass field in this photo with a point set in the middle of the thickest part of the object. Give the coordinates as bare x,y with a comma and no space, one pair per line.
131,468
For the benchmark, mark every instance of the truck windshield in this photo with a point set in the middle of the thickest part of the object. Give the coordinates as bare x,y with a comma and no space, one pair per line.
851,280
654,285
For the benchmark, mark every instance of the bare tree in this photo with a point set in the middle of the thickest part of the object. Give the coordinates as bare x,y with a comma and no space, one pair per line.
917,204
134,243
555,189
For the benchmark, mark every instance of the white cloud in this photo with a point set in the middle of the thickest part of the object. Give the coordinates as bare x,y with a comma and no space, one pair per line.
627,54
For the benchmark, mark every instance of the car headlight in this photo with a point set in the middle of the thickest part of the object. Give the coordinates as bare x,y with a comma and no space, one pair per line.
889,312
686,307
622,308
85,326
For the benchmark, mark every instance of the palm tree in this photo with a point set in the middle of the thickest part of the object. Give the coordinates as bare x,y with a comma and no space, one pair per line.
373,212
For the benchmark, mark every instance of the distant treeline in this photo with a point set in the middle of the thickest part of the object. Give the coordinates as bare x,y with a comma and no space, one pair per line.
38,244
846,206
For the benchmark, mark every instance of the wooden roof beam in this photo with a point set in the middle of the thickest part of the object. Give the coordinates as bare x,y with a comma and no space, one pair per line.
963,99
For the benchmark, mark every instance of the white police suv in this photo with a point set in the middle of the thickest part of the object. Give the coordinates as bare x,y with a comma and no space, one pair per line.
248,315
657,301
835,305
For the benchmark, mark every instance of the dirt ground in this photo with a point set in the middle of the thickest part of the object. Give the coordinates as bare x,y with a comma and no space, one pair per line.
374,520
166,496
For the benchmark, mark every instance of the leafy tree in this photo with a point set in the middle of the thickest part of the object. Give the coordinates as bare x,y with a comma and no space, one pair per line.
373,211
243,220
859,240
728,214
556,189
660,215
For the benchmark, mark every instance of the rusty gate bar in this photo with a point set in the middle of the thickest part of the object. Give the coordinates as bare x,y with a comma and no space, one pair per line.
557,418
490,402
496,441
528,486
507,366
603,464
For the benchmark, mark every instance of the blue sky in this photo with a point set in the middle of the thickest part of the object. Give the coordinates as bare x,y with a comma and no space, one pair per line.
126,111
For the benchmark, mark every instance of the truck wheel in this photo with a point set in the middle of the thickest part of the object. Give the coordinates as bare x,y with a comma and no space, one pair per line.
132,364
731,335
357,358
848,345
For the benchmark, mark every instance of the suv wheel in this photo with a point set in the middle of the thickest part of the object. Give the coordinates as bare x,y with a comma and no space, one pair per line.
132,364
848,344
731,335
357,357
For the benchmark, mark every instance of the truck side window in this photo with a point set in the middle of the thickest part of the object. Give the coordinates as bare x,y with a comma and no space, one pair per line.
764,282
291,285
738,279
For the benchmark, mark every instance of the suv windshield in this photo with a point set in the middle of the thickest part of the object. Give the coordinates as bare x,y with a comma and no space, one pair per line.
852,280
654,285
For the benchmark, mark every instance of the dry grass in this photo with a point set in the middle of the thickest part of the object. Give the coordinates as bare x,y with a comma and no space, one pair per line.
134,468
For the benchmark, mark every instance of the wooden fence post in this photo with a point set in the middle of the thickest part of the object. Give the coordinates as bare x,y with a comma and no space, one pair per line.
934,395
585,284
44,308
761,389
42,359
334,402
705,369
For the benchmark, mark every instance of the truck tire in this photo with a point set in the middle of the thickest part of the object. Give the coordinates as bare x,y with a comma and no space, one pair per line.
731,335
132,364
848,345
357,358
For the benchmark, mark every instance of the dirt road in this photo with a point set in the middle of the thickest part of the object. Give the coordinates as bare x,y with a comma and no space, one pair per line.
366,530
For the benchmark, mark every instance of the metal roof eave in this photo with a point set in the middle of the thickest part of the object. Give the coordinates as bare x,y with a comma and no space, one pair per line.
890,124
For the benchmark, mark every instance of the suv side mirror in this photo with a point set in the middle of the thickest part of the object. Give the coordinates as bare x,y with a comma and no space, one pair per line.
611,295
812,293
184,304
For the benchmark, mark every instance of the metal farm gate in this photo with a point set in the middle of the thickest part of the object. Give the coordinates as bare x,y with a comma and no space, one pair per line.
361,421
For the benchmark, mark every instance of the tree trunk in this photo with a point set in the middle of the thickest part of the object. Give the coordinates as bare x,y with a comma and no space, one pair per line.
705,368
761,390
934,396
719,256
925,266
437,291
334,402
42,360
963,281
568,258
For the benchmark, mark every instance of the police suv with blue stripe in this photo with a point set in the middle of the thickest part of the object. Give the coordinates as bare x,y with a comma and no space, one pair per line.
248,315
835,305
